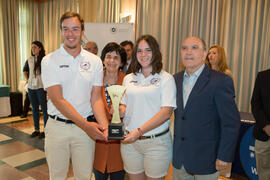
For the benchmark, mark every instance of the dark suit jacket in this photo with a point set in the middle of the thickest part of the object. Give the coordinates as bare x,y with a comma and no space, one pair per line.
260,104
126,70
207,128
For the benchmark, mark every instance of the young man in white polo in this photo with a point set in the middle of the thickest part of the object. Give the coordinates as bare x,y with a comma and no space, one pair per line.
72,78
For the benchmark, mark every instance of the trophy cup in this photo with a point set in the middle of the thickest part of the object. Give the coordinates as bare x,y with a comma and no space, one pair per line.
116,131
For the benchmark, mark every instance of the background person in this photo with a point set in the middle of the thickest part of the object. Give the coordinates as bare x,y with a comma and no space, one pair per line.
91,47
207,121
26,104
73,80
148,104
108,161
260,106
128,45
216,59
36,93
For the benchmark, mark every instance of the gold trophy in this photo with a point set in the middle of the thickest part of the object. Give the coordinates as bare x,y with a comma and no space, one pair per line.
116,131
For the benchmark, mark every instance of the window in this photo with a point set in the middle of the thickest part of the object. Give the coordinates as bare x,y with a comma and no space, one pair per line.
24,42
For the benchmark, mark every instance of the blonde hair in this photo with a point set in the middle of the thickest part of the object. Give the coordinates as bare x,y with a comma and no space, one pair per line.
222,60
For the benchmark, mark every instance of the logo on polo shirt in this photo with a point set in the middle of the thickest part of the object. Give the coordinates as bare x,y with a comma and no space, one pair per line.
134,82
154,81
85,66
64,66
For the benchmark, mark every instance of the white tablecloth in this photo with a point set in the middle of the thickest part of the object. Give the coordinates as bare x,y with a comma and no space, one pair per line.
5,106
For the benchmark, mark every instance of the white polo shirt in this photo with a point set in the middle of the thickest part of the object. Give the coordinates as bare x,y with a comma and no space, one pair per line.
144,97
77,76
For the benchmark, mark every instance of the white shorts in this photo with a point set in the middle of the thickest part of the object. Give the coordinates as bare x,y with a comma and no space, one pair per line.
152,156
64,142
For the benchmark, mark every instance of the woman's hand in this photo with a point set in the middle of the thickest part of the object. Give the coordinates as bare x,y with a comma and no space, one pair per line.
122,110
132,136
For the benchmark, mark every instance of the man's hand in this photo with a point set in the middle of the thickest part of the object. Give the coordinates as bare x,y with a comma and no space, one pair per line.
267,129
221,165
95,131
105,132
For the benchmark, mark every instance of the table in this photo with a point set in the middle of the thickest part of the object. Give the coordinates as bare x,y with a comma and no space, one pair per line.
245,144
4,101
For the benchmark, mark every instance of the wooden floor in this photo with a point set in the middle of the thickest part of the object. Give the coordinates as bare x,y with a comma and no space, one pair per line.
22,157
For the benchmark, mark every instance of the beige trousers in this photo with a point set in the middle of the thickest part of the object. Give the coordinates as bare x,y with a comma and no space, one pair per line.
262,153
182,174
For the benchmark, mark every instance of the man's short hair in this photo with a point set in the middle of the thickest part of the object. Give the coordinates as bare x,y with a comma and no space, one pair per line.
124,43
68,15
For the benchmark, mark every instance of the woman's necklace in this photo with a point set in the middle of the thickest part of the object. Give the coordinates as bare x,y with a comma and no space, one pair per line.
110,80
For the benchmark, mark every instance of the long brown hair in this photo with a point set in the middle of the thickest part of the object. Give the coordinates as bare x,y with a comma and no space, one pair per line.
156,55
37,68
222,60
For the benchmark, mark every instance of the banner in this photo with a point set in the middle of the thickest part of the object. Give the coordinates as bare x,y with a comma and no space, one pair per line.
103,33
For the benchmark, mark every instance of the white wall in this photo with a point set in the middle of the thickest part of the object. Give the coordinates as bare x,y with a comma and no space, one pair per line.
103,33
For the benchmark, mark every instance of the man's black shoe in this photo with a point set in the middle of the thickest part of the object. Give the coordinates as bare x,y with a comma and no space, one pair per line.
23,115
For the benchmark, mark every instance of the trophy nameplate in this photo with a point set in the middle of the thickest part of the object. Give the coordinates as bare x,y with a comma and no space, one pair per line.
115,130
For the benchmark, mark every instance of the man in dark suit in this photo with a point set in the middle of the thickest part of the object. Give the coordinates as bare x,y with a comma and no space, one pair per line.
207,121
260,105
128,46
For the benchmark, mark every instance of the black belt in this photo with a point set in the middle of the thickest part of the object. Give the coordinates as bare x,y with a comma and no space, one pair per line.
90,118
154,135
